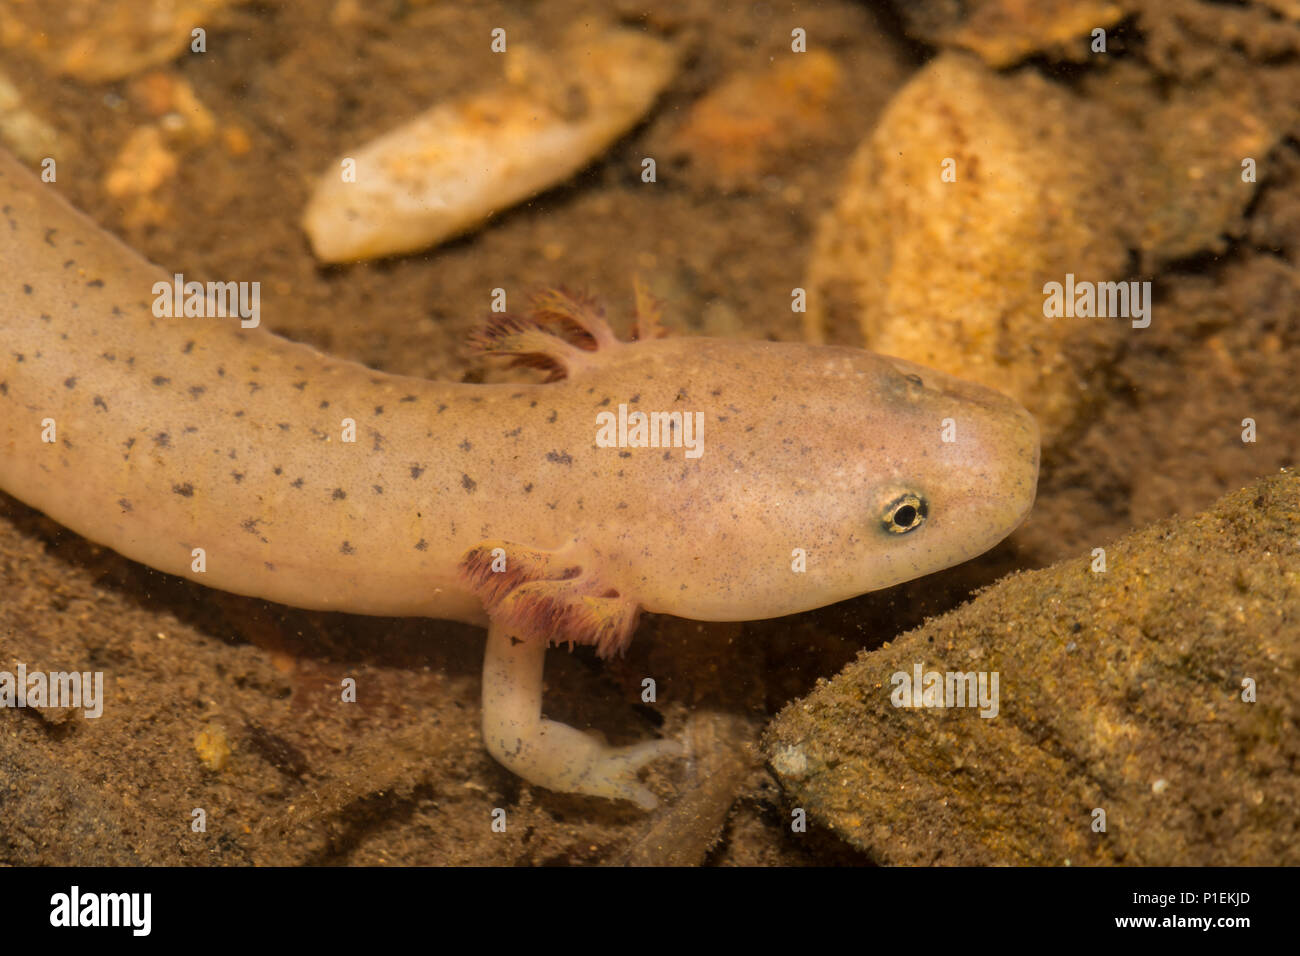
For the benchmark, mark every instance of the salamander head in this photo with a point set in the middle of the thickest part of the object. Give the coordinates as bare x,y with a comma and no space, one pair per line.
834,472
963,474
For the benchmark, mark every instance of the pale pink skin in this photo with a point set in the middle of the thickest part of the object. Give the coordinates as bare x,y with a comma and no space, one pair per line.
176,434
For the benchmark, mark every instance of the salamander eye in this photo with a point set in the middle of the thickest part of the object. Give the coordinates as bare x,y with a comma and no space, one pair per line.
905,513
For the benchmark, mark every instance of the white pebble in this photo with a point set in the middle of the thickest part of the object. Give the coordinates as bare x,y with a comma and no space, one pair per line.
464,160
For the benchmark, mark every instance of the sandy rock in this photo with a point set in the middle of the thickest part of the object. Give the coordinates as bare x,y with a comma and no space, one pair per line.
1124,691
1048,184
951,274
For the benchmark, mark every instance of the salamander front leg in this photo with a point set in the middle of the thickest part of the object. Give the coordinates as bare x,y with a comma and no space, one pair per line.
544,752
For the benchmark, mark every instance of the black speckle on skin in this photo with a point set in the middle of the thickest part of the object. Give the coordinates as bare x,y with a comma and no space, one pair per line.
70,382
603,401
300,385
269,565
379,409
339,494
20,357
528,488
250,525
49,236
108,356
96,283
441,408
324,404
162,440
100,403
468,483
625,454
377,441
190,429
296,483
416,471
550,419
346,548
161,380
408,398
421,545
189,347
559,457
239,414
277,470
377,489
124,504
185,491
634,398
533,403
27,289
4,388
196,391
464,445
238,476
283,426
254,388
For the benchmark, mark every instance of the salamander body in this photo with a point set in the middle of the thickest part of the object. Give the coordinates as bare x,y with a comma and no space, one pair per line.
706,478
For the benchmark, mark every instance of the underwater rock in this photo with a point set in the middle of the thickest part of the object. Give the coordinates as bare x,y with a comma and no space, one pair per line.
1158,699
735,133
30,137
465,160
950,274
1190,184
99,41
976,190
1004,32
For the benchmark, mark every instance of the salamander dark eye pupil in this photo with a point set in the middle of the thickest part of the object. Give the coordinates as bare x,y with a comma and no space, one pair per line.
905,513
